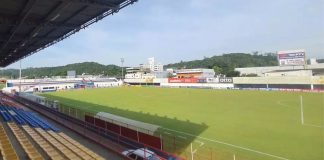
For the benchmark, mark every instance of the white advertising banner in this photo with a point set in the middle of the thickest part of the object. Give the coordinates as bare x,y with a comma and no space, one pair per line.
292,58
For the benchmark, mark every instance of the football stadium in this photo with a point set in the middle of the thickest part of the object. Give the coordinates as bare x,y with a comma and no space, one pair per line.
151,111
216,123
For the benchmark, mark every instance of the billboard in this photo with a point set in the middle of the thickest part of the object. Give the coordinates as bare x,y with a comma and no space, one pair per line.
292,58
225,80
71,73
183,80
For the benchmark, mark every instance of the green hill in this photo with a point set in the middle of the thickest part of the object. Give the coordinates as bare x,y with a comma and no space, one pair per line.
223,64
80,68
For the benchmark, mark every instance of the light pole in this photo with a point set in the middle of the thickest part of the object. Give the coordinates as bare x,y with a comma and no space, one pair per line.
122,65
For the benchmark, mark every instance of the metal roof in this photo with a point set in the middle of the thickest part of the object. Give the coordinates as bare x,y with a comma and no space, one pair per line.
28,26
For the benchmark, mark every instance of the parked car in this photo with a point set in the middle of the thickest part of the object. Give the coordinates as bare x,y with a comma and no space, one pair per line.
141,154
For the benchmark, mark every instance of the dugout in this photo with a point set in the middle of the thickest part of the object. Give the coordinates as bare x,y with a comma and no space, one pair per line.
135,130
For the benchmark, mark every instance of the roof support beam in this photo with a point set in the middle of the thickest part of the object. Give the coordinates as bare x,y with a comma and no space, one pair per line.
29,43
21,18
67,19
19,38
5,21
97,3
51,16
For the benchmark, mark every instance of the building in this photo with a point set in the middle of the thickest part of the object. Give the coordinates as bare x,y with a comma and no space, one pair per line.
261,71
195,73
48,84
150,70
298,73
152,65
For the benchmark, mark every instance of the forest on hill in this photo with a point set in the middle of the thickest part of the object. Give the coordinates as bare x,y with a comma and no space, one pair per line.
222,64
226,63
91,68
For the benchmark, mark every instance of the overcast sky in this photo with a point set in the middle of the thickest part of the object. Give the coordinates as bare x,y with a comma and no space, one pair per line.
174,30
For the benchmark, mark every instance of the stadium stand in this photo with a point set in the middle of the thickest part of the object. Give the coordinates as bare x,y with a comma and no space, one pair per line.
52,152
75,148
7,150
31,151
53,142
84,149
66,152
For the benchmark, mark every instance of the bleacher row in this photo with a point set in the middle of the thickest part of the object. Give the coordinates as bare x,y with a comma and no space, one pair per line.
22,117
7,150
31,130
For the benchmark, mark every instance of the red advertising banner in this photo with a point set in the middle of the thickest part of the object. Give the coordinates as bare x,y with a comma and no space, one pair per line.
183,80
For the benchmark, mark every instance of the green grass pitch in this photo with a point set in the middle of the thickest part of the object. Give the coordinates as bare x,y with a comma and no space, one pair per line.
250,124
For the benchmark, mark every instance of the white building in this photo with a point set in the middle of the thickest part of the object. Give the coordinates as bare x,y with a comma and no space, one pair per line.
46,85
261,71
152,65
150,70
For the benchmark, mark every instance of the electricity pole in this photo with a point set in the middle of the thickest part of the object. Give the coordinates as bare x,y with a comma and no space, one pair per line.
122,65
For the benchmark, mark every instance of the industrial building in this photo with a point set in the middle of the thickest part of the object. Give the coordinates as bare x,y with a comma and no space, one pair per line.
49,85
316,68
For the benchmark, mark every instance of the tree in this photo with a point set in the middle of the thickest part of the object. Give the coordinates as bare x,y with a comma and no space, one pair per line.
233,74
170,75
217,70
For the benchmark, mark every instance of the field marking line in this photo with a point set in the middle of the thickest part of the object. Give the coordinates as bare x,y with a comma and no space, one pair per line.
201,143
167,133
229,144
302,114
312,125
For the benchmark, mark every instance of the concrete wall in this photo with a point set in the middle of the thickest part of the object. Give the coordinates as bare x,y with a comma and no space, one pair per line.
299,73
198,85
279,80
261,70
155,80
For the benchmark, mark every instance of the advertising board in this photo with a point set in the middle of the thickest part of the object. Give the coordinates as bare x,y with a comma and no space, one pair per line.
291,58
225,80
183,80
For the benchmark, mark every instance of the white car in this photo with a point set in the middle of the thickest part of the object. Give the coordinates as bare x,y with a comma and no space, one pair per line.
141,154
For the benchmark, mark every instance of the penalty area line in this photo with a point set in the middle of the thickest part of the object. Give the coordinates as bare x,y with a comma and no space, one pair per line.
229,144
312,125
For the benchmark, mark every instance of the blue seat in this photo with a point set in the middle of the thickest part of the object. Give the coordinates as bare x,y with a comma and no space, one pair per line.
4,116
24,117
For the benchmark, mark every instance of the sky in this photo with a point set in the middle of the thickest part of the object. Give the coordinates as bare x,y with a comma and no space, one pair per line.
175,30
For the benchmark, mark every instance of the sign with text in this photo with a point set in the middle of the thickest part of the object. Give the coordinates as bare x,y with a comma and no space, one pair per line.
225,80
292,58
